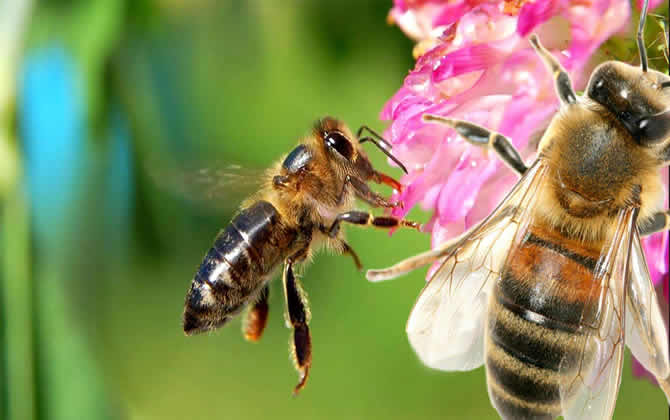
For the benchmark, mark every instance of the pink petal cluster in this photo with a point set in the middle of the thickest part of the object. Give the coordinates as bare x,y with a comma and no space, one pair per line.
474,62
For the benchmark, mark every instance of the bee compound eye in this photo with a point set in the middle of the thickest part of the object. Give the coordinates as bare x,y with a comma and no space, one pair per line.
339,142
653,129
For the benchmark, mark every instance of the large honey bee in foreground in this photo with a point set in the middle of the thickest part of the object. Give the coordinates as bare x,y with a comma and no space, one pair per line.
301,205
547,289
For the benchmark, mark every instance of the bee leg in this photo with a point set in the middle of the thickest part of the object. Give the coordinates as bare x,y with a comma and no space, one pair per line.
659,222
364,193
366,219
404,266
346,249
417,261
480,136
298,316
257,317
561,78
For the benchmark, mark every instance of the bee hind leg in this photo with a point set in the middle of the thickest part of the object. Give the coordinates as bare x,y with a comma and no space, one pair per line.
659,222
298,316
257,317
480,136
562,80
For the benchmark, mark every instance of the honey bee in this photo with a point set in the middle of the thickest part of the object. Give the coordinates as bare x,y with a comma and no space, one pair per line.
546,290
299,207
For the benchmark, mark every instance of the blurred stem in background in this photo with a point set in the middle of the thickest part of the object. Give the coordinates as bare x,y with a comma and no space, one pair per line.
17,391
50,372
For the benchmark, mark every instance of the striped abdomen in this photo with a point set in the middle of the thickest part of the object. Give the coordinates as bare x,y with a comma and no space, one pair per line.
236,267
546,293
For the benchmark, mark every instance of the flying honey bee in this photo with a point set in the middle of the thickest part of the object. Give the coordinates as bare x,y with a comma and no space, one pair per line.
300,206
546,290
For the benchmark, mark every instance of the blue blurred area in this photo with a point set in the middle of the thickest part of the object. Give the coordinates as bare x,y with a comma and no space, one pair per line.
52,123
59,173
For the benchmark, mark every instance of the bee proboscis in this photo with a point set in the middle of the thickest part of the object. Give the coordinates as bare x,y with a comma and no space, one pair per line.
546,290
300,206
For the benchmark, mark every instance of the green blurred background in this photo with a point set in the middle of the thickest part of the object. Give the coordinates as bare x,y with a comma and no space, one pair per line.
107,110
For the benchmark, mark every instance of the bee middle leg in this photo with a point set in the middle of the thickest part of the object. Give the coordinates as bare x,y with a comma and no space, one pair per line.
659,222
480,136
367,219
298,317
412,263
405,266
345,248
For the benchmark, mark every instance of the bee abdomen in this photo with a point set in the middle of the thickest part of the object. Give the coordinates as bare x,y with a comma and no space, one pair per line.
522,363
535,324
236,267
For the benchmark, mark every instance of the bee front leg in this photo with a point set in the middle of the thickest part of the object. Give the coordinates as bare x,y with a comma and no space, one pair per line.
366,219
298,316
257,317
659,222
480,136
562,80
364,193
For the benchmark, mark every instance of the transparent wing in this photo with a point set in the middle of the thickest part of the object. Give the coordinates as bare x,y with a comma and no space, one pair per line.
591,375
224,182
446,326
646,333
216,188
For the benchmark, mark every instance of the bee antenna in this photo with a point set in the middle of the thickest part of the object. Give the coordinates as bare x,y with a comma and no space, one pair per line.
386,152
374,134
640,36
382,145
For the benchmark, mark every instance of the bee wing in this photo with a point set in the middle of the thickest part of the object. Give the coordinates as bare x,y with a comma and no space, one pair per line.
590,377
646,334
446,326
216,188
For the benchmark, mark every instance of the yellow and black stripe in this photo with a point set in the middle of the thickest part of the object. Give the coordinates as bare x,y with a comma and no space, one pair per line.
539,309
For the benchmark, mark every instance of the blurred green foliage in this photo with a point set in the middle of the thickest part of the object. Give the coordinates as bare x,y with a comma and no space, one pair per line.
205,84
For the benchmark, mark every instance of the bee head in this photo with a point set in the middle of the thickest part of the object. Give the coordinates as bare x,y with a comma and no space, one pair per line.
345,152
341,148
639,99
331,142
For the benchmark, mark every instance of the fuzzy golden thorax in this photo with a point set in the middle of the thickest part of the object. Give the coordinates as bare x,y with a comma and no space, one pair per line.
597,167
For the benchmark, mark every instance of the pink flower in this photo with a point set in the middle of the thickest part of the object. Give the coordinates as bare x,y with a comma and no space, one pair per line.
474,62
482,69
